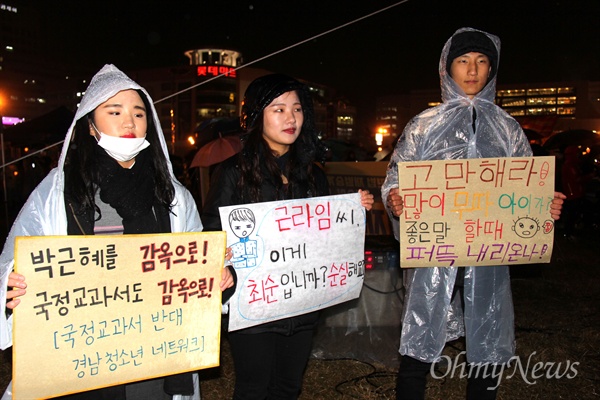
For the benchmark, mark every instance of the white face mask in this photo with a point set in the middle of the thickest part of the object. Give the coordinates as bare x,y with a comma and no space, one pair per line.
121,149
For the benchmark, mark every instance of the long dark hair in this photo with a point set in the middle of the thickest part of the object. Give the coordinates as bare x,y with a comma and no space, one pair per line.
257,161
81,169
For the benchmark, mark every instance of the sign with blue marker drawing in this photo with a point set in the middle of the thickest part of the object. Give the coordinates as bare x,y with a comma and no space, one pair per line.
294,256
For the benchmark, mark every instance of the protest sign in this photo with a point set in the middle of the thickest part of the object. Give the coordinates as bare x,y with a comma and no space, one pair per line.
102,310
294,256
471,212
349,177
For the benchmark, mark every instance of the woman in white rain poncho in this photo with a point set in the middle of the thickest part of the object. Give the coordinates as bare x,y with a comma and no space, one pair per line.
466,125
113,173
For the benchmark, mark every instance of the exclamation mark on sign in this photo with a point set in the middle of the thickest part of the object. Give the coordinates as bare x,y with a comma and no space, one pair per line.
210,287
205,251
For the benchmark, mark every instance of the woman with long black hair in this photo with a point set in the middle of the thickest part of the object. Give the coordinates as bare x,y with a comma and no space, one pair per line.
279,160
114,177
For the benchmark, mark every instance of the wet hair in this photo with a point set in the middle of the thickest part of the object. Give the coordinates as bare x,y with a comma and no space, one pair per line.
81,169
256,158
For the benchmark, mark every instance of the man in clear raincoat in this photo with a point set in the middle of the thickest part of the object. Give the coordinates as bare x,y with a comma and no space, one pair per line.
466,125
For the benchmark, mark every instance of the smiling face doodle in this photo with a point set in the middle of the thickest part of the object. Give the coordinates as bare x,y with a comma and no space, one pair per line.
526,227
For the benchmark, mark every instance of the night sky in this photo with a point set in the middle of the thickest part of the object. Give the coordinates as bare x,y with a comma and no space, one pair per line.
390,52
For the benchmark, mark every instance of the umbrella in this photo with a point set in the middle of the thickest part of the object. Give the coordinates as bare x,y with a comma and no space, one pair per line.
216,128
216,151
574,137
532,135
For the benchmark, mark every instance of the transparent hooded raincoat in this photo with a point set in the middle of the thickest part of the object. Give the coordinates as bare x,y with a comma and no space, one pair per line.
44,212
430,318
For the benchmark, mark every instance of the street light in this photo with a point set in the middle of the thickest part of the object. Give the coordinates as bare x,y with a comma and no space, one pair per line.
379,136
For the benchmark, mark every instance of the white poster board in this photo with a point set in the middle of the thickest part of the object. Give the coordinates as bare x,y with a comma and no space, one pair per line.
103,310
472,212
294,256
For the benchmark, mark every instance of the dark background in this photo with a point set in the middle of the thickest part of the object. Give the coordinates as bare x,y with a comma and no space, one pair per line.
388,51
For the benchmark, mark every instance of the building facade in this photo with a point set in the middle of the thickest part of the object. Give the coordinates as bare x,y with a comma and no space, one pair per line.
547,108
212,86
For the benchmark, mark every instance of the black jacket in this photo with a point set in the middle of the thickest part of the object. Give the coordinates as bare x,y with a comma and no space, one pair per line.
224,192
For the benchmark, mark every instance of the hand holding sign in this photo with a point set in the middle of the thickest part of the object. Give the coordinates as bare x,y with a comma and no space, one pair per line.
294,256
112,309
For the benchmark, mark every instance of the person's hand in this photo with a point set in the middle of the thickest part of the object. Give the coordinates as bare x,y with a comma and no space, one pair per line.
226,279
18,285
366,199
556,205
395,203
226,275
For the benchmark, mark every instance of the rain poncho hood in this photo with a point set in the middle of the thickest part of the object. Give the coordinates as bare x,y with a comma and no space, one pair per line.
458,128
44,212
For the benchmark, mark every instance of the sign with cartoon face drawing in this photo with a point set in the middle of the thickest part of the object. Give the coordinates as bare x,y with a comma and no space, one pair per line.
242,223
294,256
481,211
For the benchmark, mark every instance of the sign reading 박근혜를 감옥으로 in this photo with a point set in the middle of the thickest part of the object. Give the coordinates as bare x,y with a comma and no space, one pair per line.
103,310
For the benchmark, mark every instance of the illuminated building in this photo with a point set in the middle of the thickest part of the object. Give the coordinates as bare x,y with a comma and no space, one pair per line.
212,86
186,95
553,107
546,108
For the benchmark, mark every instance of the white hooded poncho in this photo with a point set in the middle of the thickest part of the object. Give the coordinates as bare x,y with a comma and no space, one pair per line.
44,212
429,317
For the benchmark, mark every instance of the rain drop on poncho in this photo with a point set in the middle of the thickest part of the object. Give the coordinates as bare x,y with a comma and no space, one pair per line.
430,316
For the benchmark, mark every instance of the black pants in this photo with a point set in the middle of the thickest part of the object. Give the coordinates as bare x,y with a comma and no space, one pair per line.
412,375
412,381
269,365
